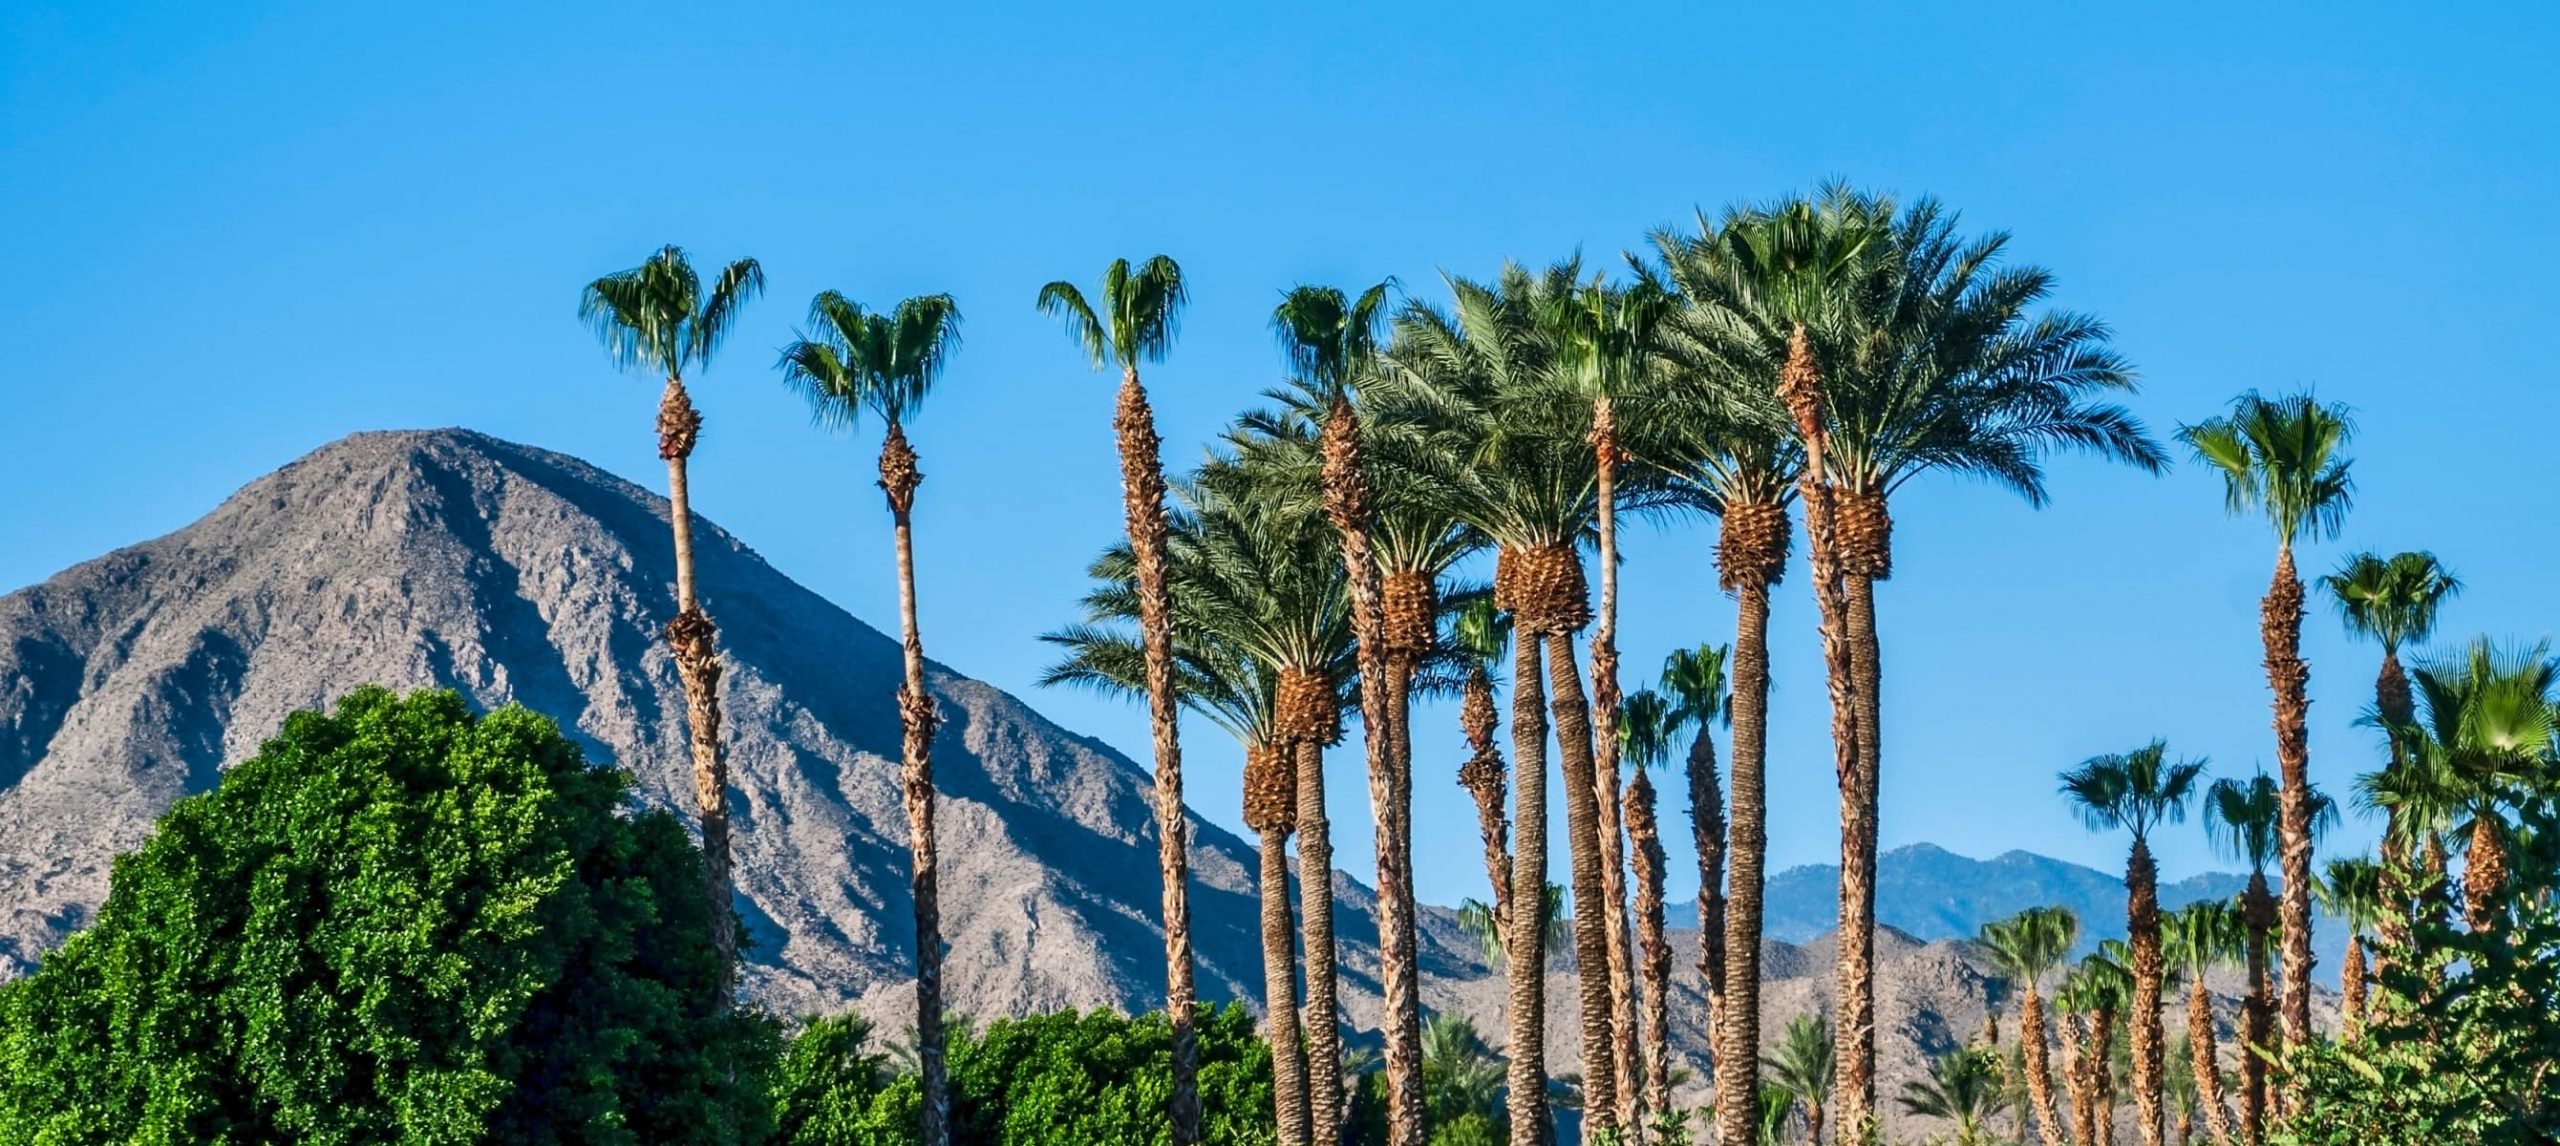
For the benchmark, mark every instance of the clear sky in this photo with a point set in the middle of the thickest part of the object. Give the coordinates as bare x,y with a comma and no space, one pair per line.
234,232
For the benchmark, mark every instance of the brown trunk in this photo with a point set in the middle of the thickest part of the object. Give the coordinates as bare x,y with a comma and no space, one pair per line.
2280,623
1481,776
1383,687
1644,833
2351,991
693,640
2205,1059
2102,1071
1526,959
1605,695
2077,1076
1142,502
2392,700
2039,1065
1858,832
1591,922
1707,833
1280,994
1322,1017
2484,874
2142,912
918,720
1749,570
2258,913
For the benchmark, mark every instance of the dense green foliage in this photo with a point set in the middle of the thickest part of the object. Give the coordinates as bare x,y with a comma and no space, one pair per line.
397,922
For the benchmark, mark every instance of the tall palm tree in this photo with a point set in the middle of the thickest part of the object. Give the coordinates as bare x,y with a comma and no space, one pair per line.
1332,342
2097,989
2201,936
2284,457
2135,792
2027,947
888,363
1963,1087
1485,373
1481,636
2243,818
2392,600
1142,309
659,319
1646,729
2484,737
1804,1067
1694,681
2351,889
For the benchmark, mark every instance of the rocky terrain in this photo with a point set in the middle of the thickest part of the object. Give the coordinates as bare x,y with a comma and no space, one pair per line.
511,574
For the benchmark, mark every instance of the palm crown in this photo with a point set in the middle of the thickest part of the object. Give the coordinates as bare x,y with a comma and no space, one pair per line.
657,316
1142,309
2392,599
2204,934
2135,791
2351,888
1694,680
2033,942
855,359
1329,337
2240,816
2281,456
1648,722
2486,727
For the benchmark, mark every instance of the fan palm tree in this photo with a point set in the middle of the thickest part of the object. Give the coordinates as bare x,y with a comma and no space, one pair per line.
1142,309
2284,457
2098,990
1804,1067
658,318
1963,1087
2392,600
2484,738
1646,729
2351,890
1484,374
2027,947
888,363
2201,936
2135,792
2243,819
1694,681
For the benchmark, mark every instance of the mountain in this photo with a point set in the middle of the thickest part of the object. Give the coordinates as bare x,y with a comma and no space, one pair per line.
1932,893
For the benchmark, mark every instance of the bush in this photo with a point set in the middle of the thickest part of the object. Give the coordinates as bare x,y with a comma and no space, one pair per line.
396,922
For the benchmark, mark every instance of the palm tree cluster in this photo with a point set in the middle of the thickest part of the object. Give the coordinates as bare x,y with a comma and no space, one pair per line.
1427,493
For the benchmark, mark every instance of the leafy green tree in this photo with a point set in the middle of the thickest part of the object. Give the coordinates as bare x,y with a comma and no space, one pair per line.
1964,1088
397,922
658,318
2201,936
2136,792
827,1086
2027,947
2484,742
1804,1069
2393,600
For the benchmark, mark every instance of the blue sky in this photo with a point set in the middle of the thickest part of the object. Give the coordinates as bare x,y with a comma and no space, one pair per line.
235,232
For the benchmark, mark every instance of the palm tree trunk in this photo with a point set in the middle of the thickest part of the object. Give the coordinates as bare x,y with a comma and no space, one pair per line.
1525,936
2258,911
1645,834
1859,813
1383,685
693,640
2484,874
2280,623
2351,991
1707,833
1322,1017
1481,776
2102,1072
2205,1059
1605,696
2142,912
2392,700
1737,1033
1142,496
2031,1036
916,716
1280,994
1591,924
2077,1076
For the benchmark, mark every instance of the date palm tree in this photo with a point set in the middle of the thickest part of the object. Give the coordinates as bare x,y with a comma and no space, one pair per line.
2243,818
2201,936
2027,947
1481,636
2135,792
1962,1087
2392,600
1804,1067
1646,729
888,363
1694,681
659,319
2351,890
1141,311
2285,458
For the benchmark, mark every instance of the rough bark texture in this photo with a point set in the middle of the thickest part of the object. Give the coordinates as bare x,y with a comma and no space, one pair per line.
2031,1036
1605,695
917,721
2258,912
1384,678
1481,776
1707,829
1748,564
1321,1020
2484,875
693,639
1572,709
2280,623
1644,834
2351,991
2102,1072
2079,1078
1526,960
1142,501
1280,994
2142,916
2205,1059
2392,700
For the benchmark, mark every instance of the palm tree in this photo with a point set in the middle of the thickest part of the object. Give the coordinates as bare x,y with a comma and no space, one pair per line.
2392,600
1142,311
2484,737
2027,947
888,363
1481,635
1694,681
1804,1067
2136,792
2098,989
1479,922
2351,888
657,318
2283,457
2181,1084
2201,936
1462,1076
1646,729
1963,1087
2243,818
